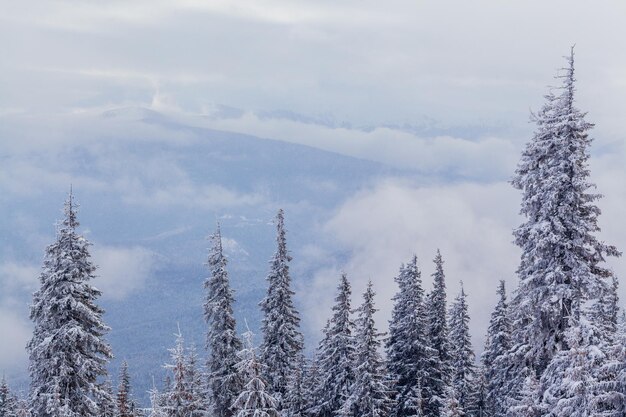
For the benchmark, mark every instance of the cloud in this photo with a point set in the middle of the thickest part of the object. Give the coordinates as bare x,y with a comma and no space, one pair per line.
122,270
185,194
15,332
15,277
487,157
233,248
17,281
381,228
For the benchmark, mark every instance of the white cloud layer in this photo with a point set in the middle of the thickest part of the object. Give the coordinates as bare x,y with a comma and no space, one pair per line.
15,331
17,280
470,223
122,270
442,155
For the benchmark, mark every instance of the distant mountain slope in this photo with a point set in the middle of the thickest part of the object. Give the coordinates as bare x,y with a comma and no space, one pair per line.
163,190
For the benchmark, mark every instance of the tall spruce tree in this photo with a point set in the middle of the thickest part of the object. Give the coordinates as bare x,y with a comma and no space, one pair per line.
157,402
8,402
125,403
108,406
370,394
612,375
409,357
283,342
196,387
296,401
528,403
177,398
311,383
223,344
254,400
561,257
336,356
451,406
439,375
23,408
68,353
569,384
494,356
463,377
609,392
478,403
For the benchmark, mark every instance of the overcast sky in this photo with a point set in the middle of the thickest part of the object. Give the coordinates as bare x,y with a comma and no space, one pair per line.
364,62
348,76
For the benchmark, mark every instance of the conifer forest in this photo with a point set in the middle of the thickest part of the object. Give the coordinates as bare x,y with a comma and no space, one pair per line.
556,342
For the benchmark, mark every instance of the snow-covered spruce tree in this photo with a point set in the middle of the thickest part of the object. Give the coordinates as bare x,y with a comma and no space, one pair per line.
68,347
295,402
107,404
609,390
56,406
125,404
23,408
224,383
561,256
336,356
494,356
610,306
451,406
311,382
282,340
8,402
528,403
619,368
156,402
195,384
370,394
569,383
463,376
177,397
254,400
439,375
415,403
409,357
478,401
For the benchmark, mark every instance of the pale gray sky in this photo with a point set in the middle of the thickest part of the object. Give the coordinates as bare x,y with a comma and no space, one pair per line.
364,62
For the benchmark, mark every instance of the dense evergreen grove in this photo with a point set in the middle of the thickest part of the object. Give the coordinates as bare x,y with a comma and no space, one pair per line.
556,347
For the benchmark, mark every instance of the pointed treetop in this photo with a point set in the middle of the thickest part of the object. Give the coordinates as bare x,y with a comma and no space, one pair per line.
280,235
501,289
70,208
218,231
570,60
344,286
569,80
247,338
438,265
217,237
439,283
369,291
